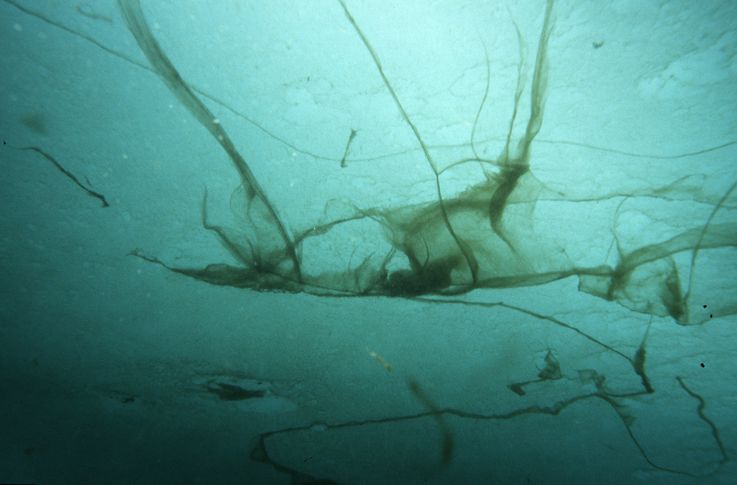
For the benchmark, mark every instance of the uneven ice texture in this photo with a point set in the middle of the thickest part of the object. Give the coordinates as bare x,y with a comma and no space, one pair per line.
491,231
493,207
479,188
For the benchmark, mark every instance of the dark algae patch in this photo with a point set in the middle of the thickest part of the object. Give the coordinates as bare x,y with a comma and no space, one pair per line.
85,187
440,185
481,237
486,234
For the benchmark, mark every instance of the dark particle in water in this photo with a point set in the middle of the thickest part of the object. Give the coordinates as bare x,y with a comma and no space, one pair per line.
35,122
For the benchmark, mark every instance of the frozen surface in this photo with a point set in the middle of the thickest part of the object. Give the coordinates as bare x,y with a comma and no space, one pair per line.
367,242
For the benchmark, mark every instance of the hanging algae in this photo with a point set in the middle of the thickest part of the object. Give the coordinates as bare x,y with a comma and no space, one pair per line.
481,237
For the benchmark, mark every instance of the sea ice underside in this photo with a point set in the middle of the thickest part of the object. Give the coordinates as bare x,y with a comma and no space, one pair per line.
482,237
451,245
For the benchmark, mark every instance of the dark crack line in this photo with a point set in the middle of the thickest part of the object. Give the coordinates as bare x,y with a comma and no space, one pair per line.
481,106
260,453
677,156
705,418
528,312
66,173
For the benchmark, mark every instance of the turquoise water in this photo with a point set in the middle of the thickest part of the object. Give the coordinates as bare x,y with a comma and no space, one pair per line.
368,242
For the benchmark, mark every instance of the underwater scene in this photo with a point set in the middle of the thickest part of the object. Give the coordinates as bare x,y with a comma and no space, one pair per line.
367,241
